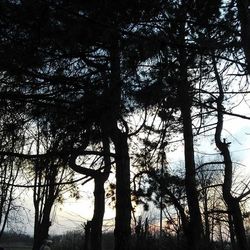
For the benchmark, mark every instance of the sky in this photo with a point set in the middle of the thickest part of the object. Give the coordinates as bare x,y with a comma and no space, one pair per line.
72,214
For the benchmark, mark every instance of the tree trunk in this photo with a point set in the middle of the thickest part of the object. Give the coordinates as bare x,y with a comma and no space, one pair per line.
231,231
47,194
99,194
185,100
232,202
97,220
36,202
123,200
244,17
87,231
184,92
234,209
93,229
195,223
122,230
42,231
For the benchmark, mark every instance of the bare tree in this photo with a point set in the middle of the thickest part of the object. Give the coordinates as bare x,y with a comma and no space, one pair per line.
11,140
232,202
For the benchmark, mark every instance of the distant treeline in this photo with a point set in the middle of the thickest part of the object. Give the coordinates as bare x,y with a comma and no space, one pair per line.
14,236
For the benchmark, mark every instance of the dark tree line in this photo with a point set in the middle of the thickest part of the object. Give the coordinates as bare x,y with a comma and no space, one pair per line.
73,73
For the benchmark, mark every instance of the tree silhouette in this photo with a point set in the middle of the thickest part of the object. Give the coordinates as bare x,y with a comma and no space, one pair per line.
83,69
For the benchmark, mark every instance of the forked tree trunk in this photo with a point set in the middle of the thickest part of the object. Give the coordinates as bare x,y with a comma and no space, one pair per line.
48,195
42,231
43,228
93,229
99,194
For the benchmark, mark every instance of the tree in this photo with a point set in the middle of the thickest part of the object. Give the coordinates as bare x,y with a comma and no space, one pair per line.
222,145
48,174
11,136
100,175
118,58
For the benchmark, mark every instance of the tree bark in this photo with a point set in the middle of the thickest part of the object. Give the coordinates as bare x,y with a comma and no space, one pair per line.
97,220
123,201
87,229
231,231
232,202
195,222
43,223
99,194
184,95
244,18
119,137
42,228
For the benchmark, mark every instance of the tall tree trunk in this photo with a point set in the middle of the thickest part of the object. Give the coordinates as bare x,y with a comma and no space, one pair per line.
184,94
232,202
195,223
119,138
244,17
